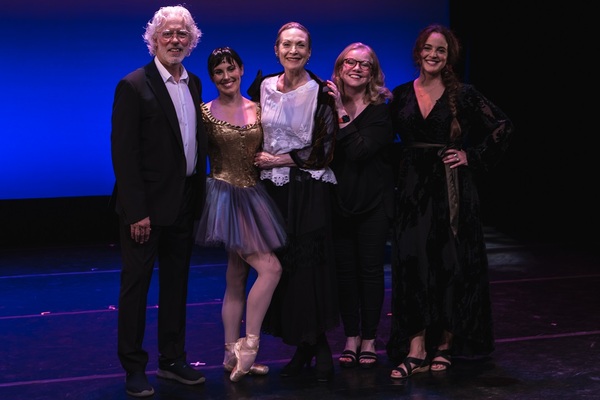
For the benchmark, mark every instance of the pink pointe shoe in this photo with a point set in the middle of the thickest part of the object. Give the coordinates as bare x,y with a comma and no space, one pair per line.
245,351
230,360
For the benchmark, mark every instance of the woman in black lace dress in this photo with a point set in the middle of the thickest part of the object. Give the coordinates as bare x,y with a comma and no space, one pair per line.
450,134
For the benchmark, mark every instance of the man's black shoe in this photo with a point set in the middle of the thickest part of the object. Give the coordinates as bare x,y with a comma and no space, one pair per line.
136,385
180,371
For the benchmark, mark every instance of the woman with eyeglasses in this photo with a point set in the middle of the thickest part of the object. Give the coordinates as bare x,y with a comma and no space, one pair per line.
450,136
363,201
300,124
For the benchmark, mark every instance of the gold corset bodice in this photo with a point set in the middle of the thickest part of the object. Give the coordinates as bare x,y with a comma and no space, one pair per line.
231,149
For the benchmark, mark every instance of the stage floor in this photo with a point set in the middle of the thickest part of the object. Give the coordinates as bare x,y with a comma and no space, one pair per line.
58,323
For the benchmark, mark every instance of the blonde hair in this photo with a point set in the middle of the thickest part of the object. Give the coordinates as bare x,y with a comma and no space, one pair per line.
376,92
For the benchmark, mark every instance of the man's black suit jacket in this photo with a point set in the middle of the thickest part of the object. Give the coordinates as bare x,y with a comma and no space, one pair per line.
147,149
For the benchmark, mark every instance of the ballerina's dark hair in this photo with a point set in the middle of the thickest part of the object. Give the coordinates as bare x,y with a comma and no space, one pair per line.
220,54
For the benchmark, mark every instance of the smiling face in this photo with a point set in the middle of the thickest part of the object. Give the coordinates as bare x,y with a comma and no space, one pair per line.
227,77
172,43
293,49
434,54
356,71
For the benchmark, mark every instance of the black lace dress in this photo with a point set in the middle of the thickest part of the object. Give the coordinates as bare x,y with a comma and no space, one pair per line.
439,280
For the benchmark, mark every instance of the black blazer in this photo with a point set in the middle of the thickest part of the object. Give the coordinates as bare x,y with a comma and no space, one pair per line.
147,150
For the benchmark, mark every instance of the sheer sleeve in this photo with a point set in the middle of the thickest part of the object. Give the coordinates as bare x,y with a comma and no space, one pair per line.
488,129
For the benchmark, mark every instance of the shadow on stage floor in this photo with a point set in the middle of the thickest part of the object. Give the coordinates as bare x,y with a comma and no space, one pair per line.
58,332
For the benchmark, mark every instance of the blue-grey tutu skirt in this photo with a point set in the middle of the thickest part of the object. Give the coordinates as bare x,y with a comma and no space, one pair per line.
243,219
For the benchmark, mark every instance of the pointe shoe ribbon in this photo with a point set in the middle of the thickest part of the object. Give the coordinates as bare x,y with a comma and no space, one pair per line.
230,360
245,351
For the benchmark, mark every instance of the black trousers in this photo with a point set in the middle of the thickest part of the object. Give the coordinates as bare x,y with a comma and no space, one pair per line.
171,246
359,243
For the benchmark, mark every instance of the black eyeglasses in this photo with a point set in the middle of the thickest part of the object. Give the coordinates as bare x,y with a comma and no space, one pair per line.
181,35
351,62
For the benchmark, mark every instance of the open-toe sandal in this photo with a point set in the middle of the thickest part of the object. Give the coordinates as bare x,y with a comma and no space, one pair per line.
444,363
348,359
421,365
367,359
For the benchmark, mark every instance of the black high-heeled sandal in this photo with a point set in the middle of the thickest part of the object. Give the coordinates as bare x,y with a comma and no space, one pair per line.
367,358
302,357
349,358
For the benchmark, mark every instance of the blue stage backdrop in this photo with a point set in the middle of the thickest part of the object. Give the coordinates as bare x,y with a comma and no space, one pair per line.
62,60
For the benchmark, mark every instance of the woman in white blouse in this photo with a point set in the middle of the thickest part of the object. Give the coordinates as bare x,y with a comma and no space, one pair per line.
300,123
